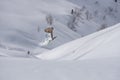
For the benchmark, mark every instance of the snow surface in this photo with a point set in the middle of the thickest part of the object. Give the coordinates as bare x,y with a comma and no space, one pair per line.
19,24
70,61
103,13
33,69
94,57
101,44
21,19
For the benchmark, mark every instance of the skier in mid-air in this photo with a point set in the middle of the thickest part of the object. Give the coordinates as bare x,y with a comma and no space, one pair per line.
49,30
49,36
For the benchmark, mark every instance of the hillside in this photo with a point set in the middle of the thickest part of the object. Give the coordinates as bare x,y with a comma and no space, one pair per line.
23,26
96,15
86,46
19,24
102,44
72,61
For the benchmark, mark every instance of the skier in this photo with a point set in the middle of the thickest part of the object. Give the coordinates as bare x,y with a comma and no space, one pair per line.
49,36
72,11
28,52
115,0
49,30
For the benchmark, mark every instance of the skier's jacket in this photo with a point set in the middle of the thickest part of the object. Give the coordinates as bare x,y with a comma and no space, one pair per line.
49,30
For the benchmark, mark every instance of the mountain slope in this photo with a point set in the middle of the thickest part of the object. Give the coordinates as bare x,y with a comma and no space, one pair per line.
102,44
104,13
21,19
32,69
24,25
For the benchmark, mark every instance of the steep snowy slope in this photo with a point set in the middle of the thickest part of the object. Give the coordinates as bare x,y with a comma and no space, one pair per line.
102,44
22,22
104,13
21,19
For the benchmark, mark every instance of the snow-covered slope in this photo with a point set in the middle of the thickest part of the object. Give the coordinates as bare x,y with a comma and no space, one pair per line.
96,15
20,20
102,44
32,69
94,57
